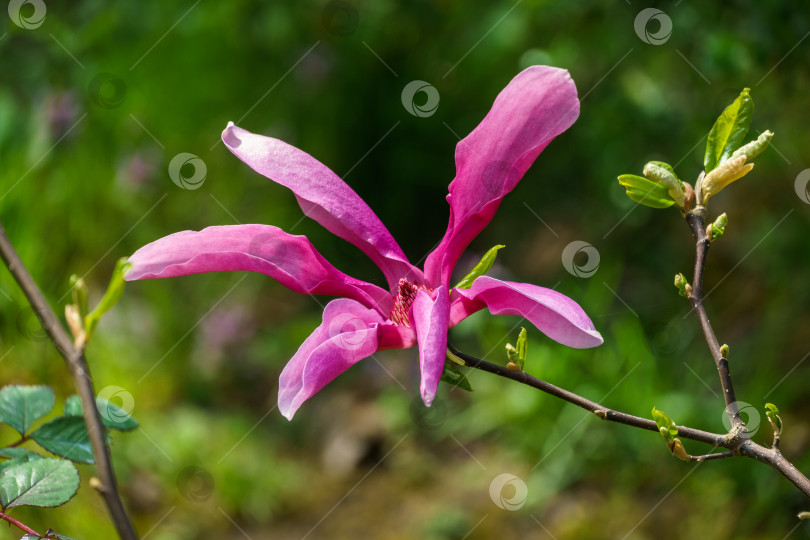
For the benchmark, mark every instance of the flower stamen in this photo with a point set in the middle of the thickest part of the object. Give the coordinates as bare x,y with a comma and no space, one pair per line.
406,294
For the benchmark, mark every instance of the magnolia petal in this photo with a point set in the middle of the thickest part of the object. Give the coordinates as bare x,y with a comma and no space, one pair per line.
290,259
324,197
553,313
430,319
347,335
536,106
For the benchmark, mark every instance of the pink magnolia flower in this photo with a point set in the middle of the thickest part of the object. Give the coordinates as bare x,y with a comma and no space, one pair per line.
419,305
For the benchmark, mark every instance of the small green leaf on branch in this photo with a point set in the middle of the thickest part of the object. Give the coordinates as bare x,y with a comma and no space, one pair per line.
729,131
724,350
21,406
517,353
646,192
669,431
452,376
772,412
684,289
662,173
481,268
718,228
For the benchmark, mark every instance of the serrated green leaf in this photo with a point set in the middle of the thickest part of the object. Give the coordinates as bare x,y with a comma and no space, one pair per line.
729,131
12,463
66,436
481,268
21,406
16,452
112,416
73,406
454,377
115,290
44,482
646,192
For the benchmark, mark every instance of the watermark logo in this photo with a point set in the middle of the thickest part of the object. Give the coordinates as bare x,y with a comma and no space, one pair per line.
187,171
107,90
195,484
800,185
340,18
585,269
349,331
269,247
30,326
750,415
409,93
508,492
642,26
120,404
428,418
28,14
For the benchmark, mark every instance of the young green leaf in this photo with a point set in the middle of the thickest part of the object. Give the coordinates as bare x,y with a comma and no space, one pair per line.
112,416
772,413
481,268
80,294
755,147
114,291
451,375
662,173
21,406
44,482
646,192
729,131
665,424
517,353
66,436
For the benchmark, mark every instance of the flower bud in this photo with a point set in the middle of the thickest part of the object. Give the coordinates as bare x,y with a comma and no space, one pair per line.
727,172
755,147
663,174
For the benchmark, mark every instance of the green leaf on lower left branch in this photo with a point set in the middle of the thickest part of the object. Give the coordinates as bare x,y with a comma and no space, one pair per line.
66,436
43,482
21,406
112,416
451,375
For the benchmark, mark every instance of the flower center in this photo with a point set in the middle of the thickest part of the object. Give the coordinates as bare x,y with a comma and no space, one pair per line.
406,294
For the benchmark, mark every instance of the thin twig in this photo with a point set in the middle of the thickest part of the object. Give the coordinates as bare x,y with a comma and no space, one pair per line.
602,412
716,455
695,220
19,524
84,385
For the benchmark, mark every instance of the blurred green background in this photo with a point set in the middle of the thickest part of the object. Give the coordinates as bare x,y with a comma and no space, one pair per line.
97,100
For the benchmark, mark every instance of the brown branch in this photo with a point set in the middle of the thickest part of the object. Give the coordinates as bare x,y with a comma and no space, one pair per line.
84,385
602,412
709,457
695,220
